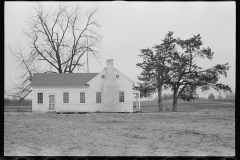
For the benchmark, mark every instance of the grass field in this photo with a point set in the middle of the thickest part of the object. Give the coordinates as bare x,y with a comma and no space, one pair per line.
200,128
184,106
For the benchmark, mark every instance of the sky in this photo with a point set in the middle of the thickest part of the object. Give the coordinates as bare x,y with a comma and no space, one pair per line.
127,27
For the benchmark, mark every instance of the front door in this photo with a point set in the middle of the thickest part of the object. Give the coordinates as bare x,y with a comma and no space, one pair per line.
51,102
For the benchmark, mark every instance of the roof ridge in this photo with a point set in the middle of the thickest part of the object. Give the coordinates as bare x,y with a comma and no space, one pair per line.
64,73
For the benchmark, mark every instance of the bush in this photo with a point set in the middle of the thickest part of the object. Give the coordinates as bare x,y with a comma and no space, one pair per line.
7,101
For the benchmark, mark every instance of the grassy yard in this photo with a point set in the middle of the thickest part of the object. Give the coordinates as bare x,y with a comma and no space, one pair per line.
184,106
198,129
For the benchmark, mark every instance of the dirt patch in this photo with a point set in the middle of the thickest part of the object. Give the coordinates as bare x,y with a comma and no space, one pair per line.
197,133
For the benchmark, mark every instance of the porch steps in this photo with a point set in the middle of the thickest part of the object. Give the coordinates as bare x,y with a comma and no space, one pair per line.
51,111
71,112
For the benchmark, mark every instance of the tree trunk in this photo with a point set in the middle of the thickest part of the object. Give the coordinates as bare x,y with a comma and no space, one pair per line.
60,70
175,98
160,99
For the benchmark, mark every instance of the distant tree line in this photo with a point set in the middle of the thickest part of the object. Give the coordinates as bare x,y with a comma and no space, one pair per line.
15,102
228,96
210,96
167,96
170,96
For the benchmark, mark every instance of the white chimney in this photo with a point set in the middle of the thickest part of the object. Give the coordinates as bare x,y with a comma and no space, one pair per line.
109,66
110,89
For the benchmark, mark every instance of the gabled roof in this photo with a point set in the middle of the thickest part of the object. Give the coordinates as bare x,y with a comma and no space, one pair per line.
124,75
61,79
115,70
96,75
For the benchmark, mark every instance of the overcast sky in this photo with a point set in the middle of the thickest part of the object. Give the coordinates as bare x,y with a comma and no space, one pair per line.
128,27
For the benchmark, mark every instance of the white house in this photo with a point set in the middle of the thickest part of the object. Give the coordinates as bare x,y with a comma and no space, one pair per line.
107,91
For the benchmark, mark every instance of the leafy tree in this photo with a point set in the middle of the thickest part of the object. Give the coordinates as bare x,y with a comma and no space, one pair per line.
211,96
59,38
173,65
188,75
156,68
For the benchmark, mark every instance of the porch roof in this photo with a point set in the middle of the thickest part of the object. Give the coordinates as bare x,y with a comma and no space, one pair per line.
135,91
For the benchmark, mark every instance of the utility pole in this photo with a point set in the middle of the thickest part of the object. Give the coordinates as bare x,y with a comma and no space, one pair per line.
87,58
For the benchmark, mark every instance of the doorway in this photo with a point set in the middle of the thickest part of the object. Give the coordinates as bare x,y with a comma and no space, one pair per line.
51,102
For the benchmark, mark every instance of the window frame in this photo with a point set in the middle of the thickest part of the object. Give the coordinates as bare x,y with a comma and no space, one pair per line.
121,97
81,97
65,97
117,76
98,97
38,97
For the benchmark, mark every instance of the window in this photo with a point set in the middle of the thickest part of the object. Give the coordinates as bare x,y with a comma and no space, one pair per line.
82,97
103,76
65,97
40,98
117,76
98,97
121,96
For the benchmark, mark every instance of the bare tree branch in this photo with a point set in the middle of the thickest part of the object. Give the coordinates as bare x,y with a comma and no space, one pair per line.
57,38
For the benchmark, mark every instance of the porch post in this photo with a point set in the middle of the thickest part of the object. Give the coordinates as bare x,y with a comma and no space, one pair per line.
136,103
139,101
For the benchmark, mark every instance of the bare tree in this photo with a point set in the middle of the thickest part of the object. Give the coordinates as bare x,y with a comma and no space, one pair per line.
60,38
26,63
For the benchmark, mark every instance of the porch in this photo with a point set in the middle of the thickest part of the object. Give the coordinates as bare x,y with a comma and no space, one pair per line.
137,107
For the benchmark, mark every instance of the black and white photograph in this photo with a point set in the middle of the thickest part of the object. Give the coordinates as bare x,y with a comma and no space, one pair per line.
119,78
